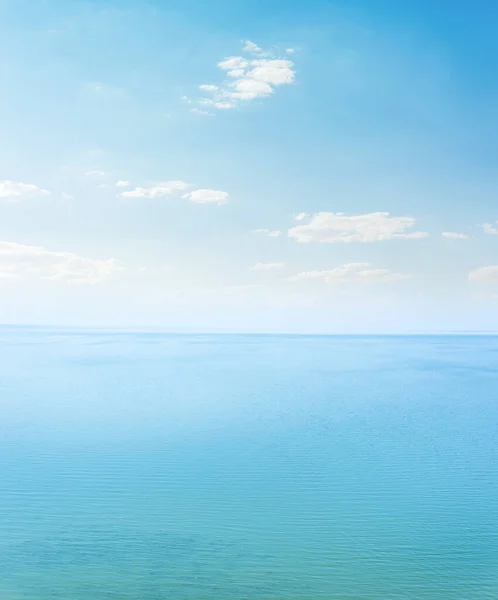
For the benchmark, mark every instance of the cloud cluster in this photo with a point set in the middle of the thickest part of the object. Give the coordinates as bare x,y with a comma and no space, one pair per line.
350,273
13,191
332,228
18,261
255,75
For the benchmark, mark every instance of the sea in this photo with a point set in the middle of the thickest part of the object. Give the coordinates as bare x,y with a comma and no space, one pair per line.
153,466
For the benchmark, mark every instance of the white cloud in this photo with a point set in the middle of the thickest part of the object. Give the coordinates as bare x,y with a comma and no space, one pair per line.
12,191
290,50
301,216
123,183
252,48
485,274
20,261
269,232
273,71
223,105
452,235
331,228
156,191
233,63
199,111
350,273
207,196
248,78
248,89
267,266
96,173
167,188
491,229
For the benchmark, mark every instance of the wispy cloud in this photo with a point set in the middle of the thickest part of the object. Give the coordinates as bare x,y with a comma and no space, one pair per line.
96,174
453,235
269,232
13,191
18,261
332,228
200,111
157,190
207,196
168,188
487,274
267,266
350,273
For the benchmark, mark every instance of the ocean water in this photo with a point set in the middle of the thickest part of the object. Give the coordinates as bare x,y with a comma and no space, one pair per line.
150,466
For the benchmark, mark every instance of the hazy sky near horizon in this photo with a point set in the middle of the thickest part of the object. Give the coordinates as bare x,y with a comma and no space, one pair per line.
250,166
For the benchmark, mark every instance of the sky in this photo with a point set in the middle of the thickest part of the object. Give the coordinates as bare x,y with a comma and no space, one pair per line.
250,166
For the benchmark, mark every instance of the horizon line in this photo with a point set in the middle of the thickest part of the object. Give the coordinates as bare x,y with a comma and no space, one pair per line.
212,331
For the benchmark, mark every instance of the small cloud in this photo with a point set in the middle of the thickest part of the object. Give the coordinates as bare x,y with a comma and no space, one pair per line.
66,196
207,196
159,190
269,232
224,105
199,111
332,228
290,50
267,266
487,274
122,183
350,273
209,88
452,235
489,228
13,191
301,216
95,174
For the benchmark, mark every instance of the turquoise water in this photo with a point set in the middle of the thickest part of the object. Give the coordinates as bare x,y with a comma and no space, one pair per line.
146,466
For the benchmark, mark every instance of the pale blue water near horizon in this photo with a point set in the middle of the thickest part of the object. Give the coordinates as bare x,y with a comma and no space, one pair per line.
154,466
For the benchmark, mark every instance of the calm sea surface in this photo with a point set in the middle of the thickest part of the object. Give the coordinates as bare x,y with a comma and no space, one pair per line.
151,467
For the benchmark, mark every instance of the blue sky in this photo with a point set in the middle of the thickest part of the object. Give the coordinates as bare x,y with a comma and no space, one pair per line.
250,166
